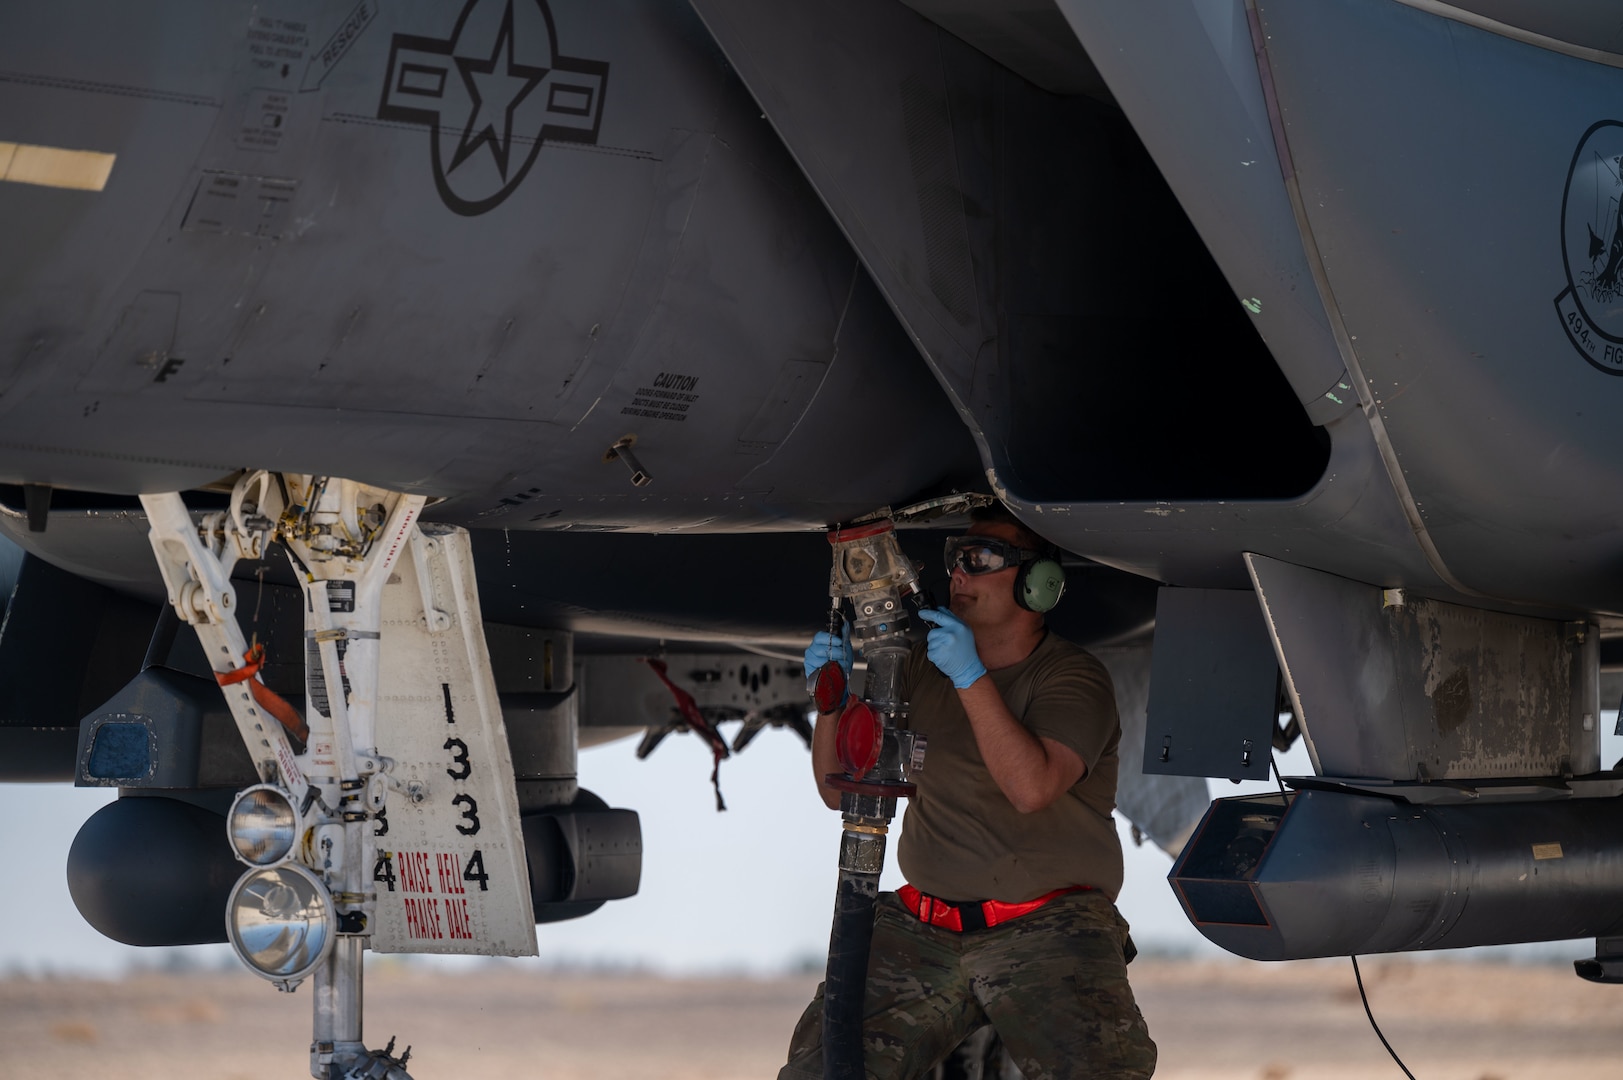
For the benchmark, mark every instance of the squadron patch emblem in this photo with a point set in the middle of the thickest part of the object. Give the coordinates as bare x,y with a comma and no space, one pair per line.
491,95
1591,306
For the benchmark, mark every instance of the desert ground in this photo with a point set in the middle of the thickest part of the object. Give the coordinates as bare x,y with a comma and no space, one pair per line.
1214,1020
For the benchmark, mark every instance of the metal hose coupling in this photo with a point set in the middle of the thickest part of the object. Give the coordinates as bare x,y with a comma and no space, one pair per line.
862,848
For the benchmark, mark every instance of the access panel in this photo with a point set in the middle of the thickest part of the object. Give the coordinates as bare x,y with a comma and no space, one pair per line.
1214,686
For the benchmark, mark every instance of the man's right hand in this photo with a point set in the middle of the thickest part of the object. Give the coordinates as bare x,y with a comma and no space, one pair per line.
951,647
825,647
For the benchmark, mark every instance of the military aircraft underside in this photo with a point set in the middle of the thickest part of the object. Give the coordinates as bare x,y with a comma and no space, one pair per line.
363,369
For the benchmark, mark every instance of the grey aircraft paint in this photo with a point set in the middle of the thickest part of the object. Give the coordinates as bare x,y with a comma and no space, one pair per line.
1331,283
295,266
487,338
1235,176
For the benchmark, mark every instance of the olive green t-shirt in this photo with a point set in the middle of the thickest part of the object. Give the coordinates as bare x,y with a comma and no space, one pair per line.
961,837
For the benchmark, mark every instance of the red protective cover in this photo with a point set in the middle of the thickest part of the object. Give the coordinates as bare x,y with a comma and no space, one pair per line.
829,688
858,739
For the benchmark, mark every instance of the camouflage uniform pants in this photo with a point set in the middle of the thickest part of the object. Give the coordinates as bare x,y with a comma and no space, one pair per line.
1053,983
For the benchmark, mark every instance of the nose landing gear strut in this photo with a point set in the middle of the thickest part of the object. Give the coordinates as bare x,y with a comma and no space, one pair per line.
401,713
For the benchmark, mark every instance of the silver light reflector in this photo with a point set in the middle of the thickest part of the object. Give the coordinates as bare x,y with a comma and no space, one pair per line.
280,921
262,825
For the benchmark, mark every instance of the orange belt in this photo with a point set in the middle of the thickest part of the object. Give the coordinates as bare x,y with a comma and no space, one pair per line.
961,918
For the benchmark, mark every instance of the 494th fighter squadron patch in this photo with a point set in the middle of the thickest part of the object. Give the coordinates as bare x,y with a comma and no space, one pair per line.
1591,306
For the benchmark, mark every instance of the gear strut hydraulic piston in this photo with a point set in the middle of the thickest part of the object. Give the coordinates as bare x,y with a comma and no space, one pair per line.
878,755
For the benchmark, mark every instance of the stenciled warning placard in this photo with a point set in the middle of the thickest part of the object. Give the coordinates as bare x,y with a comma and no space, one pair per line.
449,870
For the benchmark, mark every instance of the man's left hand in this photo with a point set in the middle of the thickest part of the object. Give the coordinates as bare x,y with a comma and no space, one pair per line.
951,647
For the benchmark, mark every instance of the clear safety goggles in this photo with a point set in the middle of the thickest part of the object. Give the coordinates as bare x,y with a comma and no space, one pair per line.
984,554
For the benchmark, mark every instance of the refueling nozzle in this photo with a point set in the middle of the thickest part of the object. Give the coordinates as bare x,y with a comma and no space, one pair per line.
880,583
878,754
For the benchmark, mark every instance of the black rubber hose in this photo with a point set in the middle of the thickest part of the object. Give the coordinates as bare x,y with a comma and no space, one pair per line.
849,943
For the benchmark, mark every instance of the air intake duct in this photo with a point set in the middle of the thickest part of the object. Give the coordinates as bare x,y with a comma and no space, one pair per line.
1329,873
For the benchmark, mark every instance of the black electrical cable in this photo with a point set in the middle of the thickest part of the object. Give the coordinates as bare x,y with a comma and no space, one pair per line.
1365,999
1357,975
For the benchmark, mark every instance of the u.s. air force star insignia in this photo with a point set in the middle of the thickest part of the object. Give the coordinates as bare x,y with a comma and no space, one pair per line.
1591,306
491,94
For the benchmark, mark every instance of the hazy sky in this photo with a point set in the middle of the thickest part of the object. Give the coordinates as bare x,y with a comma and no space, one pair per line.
749,889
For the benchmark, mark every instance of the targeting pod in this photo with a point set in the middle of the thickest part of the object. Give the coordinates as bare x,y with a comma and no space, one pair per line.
1331,873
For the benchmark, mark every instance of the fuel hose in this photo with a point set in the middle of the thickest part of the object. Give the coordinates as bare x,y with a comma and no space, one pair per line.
871,573
862,857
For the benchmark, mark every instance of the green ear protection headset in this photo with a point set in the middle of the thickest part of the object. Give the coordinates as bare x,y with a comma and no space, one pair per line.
1039,582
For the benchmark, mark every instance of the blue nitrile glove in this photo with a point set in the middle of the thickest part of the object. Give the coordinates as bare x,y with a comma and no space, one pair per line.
825,647
951,646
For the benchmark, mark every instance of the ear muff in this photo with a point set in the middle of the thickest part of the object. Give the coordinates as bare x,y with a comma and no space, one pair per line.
1039,585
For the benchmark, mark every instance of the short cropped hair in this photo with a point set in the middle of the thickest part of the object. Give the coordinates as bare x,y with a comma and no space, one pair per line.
997,513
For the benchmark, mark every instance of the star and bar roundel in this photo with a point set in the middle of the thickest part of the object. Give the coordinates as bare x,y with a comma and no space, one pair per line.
491,95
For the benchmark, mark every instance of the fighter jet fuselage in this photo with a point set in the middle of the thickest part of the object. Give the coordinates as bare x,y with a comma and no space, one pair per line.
1293,324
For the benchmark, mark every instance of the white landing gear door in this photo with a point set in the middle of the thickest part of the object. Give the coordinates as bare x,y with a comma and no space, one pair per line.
449,869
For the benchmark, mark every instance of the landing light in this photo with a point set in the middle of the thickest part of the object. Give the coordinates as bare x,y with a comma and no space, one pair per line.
280,921
262,825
